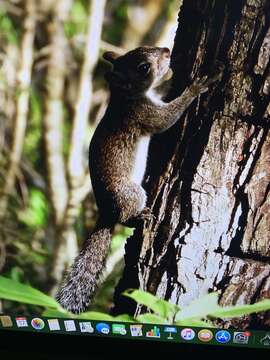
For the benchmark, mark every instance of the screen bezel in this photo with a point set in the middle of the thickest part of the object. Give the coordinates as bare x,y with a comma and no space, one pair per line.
66,344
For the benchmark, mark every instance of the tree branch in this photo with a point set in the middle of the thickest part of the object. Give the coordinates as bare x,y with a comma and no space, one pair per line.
79,181
76,169
54,124
54,119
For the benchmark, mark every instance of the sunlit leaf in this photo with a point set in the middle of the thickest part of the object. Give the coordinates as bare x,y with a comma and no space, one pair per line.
77,23
36,214
13,290
199,308
125,318
150,318
240,310
120,238
94,315
57,314
159,306
196,323
90,315
8,29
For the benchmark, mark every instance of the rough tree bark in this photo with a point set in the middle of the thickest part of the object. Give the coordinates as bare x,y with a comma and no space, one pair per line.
208,178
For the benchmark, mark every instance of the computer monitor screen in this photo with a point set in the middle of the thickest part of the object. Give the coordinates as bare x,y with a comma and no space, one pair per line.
135,170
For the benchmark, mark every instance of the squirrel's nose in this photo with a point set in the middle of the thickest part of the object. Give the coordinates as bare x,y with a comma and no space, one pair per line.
166,52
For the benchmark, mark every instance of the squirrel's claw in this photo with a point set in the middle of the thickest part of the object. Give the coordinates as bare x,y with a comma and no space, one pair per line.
201,84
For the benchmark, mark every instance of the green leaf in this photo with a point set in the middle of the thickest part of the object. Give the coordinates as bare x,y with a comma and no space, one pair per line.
150,319
94,315
119,239
13,290
197,323
240,310
57,314
16,273
161,307
78,11
90,315
199,308
36,214
7,28
77,24
125,317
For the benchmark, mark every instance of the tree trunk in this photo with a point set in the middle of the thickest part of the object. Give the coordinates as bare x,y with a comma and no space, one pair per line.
208,178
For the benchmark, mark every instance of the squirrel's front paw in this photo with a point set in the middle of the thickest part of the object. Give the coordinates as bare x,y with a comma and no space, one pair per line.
201,85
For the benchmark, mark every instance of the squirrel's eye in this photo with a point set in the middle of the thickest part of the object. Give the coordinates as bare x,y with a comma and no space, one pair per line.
144,68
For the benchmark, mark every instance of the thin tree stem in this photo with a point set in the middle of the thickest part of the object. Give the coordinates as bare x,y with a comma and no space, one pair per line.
54,120
22,105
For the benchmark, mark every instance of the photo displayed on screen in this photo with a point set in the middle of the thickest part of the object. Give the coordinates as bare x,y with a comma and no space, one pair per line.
135,169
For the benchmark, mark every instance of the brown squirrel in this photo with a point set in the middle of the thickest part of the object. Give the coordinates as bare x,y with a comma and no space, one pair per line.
117,158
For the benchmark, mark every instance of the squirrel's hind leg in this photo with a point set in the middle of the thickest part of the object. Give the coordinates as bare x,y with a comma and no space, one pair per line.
130,202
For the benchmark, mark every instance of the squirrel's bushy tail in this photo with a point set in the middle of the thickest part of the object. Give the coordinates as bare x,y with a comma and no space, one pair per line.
81,281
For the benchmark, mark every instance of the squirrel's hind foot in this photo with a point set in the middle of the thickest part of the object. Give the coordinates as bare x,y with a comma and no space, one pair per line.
146,215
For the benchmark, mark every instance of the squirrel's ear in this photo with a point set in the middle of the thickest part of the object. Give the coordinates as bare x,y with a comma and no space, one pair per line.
110,56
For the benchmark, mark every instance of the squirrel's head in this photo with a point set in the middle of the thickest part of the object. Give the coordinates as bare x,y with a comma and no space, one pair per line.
138,70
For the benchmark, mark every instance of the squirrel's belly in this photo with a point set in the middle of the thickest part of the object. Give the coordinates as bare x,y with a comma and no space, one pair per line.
140,160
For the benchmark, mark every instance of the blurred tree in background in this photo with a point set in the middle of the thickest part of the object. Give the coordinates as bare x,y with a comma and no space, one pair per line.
52,95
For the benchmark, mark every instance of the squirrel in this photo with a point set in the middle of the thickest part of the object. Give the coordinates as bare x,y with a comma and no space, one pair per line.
118,155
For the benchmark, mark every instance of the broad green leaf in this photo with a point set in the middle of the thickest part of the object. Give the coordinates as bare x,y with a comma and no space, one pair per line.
13,290
150,319
197,323
94,315
57,314
125,317
240,310
199,308
161,307
90,315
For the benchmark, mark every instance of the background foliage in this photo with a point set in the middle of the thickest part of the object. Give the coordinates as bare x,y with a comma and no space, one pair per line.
52,95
